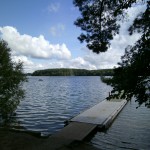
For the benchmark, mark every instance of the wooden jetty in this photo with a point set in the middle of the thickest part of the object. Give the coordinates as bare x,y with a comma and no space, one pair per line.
79,127
100,115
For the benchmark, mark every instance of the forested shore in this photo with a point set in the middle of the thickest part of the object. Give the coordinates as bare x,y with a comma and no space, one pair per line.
72,72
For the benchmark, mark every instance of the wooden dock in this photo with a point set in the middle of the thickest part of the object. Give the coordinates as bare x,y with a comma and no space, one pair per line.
76,131
100,115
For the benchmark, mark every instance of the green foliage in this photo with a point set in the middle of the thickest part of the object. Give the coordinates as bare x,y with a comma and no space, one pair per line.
11,77
98,21
73,72
133,74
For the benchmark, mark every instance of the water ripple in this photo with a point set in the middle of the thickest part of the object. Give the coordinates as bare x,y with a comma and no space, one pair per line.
56,99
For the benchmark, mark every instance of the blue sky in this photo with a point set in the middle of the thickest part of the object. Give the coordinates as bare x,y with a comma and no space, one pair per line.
42,34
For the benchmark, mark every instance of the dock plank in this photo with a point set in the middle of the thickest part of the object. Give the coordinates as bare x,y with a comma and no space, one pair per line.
99,113
76,131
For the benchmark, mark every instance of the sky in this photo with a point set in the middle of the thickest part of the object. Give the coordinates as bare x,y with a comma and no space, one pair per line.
42,34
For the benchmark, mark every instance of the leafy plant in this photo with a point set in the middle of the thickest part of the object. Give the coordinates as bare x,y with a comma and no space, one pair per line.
11,78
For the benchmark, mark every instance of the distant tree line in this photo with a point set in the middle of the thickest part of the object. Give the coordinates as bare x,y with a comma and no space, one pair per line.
73,72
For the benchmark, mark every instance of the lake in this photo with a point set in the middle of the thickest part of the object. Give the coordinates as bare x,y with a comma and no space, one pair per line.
49,101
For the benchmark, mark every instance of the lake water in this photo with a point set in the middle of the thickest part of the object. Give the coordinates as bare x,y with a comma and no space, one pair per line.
50,102
130,130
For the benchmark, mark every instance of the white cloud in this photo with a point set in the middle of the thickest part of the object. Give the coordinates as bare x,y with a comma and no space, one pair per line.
23,59
110,58
103,60
57,30
35,47
29,49
80,63
53,7
28,65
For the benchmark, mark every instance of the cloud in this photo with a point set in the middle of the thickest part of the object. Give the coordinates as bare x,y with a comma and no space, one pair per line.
110,58
27,64
100,61
132,13
80,63
35,47
53,7
57,30
23,59
37,53
31,66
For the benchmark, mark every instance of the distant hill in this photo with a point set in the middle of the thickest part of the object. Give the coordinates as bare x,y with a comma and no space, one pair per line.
72,72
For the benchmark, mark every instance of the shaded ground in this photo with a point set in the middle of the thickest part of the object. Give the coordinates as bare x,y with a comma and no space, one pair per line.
10,140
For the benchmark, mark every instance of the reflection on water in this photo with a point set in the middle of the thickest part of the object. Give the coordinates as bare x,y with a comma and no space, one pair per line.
130,130
52,100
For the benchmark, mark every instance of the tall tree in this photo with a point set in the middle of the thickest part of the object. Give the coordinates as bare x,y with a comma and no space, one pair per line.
98,21
11,77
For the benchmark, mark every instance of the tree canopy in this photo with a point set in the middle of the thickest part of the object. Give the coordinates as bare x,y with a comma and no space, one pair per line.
11,77
99,24
98,21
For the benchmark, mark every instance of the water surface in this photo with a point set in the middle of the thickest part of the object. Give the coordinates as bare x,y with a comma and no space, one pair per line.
130,130
53,100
